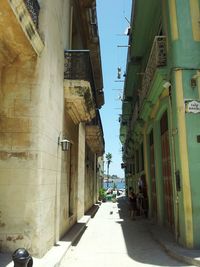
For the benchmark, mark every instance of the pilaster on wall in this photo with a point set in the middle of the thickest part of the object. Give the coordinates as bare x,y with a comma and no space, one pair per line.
95,179
186,65
198,83
81,171
184,143
180,33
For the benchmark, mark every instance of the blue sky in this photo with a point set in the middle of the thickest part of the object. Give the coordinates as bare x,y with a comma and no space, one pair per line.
112,23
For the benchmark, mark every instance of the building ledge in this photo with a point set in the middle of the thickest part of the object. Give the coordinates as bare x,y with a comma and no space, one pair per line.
94,139
20,36
79,100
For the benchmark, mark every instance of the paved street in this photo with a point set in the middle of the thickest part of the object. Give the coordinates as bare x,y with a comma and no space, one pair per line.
112,239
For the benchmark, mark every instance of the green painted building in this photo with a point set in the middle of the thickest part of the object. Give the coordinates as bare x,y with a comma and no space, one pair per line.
160,121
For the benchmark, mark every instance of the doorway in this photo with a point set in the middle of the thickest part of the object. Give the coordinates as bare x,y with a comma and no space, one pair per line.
153,178
166,172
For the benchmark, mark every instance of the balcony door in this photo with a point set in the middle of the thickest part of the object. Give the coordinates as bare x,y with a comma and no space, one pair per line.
153,178
166,172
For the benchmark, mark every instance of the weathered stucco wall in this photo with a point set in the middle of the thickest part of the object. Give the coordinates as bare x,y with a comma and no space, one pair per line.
19,156
32,165
81,171
68,186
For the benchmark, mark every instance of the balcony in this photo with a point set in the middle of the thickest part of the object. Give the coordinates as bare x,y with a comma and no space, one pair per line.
157,59
94,135
79,86
20,36
135,114
78,66
33,9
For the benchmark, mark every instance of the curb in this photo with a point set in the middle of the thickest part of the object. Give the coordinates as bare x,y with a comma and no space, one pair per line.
188,256
55,255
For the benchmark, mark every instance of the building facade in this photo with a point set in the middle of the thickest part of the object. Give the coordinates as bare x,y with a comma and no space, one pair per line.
160,113
51,137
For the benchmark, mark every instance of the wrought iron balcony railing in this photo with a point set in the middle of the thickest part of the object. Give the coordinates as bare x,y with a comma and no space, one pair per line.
94,134
33,9
135,114
157,59
97,122
78,66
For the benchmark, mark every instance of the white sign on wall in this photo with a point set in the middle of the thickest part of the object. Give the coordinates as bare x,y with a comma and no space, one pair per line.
192,106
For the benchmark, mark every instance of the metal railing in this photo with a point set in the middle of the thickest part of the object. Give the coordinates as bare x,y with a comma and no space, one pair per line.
33,9
135,114
97,122
157,58
78,66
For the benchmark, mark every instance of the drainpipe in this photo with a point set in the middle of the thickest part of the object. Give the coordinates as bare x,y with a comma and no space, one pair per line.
198,81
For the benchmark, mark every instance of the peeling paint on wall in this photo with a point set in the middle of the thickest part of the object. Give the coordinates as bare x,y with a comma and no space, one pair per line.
14,238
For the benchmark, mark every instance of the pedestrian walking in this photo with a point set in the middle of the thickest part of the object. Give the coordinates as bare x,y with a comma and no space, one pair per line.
132,204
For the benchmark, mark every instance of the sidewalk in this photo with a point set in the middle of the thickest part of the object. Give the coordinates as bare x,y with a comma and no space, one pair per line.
166,240
112,239
53,257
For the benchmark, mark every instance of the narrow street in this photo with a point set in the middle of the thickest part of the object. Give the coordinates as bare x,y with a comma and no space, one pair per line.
113,239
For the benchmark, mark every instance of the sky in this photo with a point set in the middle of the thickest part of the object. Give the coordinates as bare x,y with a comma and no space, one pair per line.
112,23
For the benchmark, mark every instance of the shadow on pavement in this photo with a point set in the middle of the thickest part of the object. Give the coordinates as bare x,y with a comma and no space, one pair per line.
75,233
93,210
5,259
140,245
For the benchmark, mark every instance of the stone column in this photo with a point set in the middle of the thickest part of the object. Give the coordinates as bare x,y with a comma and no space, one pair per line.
95,178
81,171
